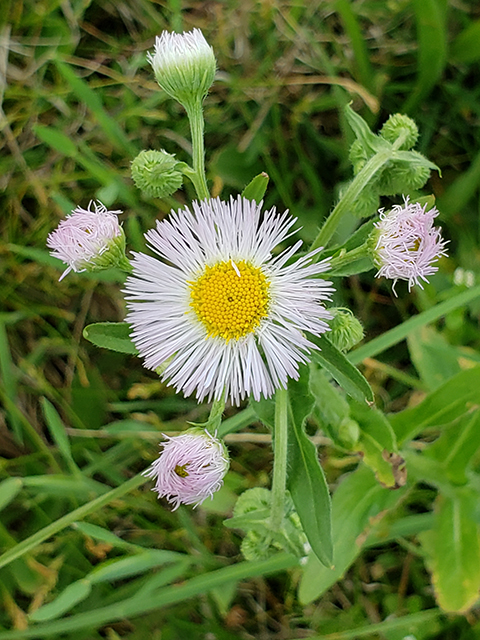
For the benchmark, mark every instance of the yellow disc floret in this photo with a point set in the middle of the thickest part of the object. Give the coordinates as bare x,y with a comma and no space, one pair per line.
230,298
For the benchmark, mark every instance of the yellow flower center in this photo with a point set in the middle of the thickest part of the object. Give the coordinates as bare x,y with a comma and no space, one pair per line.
230,299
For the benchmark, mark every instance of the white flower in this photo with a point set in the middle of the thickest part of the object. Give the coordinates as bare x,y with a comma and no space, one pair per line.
190,468
225,314
407,243
184,65
88,240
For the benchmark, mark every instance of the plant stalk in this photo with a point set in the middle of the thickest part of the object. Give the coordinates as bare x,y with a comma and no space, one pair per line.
280,444
195,116
357,185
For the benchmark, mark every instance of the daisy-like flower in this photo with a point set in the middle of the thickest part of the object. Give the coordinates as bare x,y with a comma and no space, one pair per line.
190,468
220,312
406,243
88,240
184,65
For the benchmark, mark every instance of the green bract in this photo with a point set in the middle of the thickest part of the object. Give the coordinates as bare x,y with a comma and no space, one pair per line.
156,173
184,65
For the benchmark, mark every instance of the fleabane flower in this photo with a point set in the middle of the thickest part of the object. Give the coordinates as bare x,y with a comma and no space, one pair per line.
222,311
191,467
88,240
406,244
184,65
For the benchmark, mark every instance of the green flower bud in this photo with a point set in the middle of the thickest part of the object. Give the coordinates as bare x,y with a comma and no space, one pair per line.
403,176
397,125
184,65
348,432
260,542
157,173
346,330
367,202
358,156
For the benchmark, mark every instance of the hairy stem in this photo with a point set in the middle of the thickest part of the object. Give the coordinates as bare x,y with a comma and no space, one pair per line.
195,116
279,481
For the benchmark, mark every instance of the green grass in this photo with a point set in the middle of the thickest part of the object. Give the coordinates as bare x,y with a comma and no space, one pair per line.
79,102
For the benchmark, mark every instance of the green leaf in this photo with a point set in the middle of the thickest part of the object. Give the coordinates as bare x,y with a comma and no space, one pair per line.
99,533
361,56
466,46
341,369
456,446
432,49
370,142
57,431
395,335
448,402
256,520
134,606
116,569
92,99
378,445
453,551
264,409
256,189
8,490
306,480
111,335
357,505
72,595
77,486
435,360
56,140
330,408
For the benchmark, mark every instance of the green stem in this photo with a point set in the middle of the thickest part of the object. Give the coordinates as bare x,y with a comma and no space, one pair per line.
216,413
344,259
357,185
195,116
280,444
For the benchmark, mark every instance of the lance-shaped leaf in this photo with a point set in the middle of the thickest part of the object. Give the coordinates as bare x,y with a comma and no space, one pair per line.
341,369
452,548
255,190
378,445
111,335
357,505
448,402
306,480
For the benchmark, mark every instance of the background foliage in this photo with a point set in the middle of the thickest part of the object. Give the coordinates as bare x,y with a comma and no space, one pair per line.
78,102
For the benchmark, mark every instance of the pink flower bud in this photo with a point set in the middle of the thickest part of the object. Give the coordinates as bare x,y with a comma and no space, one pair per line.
84,238
190,468
407,243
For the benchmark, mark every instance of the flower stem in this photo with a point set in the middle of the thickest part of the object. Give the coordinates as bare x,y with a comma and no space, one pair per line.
345,203
346,258
195,116
216,413
357,185
279,481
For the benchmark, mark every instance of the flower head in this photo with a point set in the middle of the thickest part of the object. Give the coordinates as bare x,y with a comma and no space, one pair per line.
184,65
227,315
190,468
156,173
406,243
88,240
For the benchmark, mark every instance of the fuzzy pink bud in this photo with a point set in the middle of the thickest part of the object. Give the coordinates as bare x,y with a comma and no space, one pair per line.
190,468
88,240
407,243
